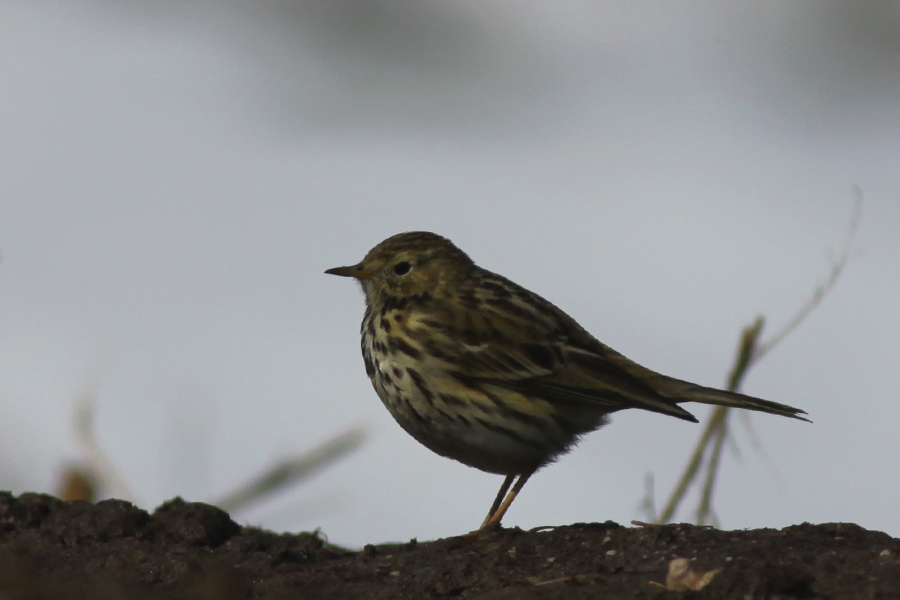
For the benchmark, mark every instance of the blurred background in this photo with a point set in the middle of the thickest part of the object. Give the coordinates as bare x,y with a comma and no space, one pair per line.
176,176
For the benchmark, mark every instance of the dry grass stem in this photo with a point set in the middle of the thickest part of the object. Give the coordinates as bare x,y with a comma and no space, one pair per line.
708,450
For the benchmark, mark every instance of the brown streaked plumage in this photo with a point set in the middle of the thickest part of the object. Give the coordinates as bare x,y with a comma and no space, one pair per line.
483,371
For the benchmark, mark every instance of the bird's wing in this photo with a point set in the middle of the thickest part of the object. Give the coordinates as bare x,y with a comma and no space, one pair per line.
534,353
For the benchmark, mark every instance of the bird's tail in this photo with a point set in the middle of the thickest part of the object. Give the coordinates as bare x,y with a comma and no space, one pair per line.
697,393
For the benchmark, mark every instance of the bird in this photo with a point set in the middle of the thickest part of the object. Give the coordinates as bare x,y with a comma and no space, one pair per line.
481,370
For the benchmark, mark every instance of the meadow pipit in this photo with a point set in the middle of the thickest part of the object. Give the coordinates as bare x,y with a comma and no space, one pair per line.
483,371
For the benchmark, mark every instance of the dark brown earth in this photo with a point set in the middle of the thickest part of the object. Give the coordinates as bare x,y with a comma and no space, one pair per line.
110,550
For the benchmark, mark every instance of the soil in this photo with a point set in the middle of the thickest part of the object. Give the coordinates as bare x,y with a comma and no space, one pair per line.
113,550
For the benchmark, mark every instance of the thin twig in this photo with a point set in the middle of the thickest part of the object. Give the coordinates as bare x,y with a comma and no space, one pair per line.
705,510
837,267
750,352
691,469
746,355
716,430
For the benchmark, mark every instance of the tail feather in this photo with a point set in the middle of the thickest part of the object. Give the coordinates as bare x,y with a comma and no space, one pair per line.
705,395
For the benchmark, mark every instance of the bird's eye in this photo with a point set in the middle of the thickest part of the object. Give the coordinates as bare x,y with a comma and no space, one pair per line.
402,268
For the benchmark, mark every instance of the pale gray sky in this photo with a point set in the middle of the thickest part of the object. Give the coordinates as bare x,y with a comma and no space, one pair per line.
176,176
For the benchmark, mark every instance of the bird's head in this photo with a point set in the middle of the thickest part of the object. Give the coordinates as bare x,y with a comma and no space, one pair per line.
412,264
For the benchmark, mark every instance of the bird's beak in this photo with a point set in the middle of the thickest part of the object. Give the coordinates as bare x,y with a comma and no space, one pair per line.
356,271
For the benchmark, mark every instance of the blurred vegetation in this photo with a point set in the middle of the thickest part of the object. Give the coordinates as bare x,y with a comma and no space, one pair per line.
95,477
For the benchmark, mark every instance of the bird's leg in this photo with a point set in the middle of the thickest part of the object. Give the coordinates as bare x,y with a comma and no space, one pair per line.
497,512
503,489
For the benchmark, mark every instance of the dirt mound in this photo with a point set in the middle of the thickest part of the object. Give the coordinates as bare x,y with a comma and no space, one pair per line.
110,550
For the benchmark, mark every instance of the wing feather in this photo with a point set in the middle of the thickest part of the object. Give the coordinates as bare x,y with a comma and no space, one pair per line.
531,352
